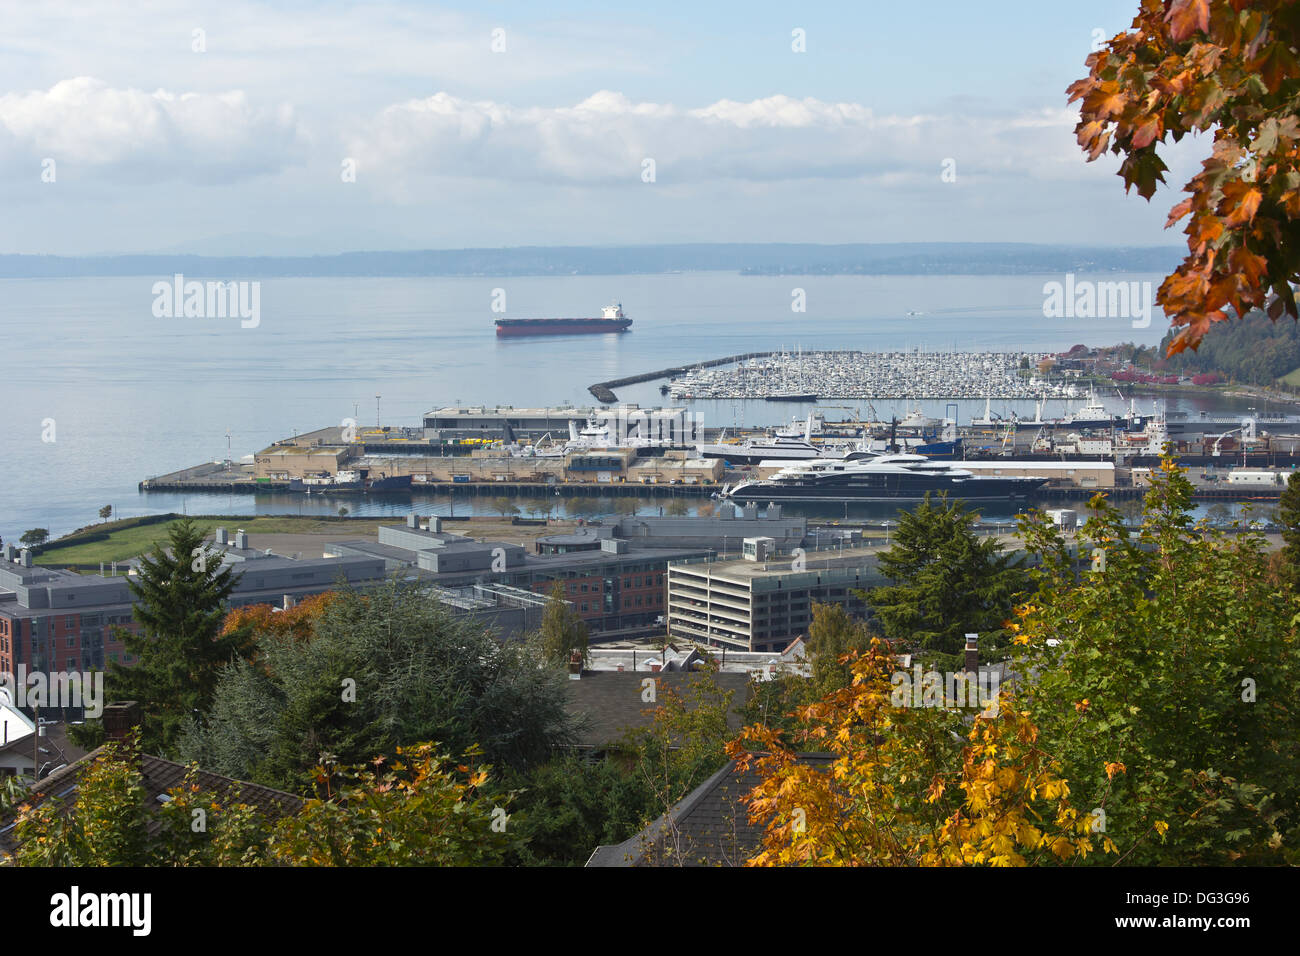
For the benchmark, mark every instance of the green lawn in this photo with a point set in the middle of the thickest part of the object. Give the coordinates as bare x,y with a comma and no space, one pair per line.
1292,378
129,538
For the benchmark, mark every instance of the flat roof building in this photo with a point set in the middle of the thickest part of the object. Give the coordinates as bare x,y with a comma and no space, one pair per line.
1087,474
481,421
52,620
764,605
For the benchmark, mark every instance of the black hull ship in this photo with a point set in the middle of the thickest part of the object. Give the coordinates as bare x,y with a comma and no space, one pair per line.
885,478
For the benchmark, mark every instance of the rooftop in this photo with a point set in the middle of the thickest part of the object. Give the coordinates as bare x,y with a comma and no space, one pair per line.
709,827
781,566
609,703
157,777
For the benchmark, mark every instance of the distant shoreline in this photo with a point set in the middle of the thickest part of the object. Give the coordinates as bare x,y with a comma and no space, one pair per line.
747,259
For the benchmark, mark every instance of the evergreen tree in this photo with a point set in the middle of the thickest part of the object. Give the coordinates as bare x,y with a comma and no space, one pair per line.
947,582
374,671
570,805
563,630
180,596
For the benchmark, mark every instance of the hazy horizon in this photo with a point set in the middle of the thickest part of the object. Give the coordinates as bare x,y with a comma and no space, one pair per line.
266,128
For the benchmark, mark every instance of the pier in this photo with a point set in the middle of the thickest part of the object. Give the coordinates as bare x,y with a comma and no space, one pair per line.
604,390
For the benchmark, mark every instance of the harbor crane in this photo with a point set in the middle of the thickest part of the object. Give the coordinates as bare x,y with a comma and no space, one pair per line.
1008,435
1247,429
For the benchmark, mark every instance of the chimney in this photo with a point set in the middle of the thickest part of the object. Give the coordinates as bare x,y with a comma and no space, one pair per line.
241,540
288,602
11,553
413,521
26,559
750,511
973,653
119,718
222,537
435,524
773,510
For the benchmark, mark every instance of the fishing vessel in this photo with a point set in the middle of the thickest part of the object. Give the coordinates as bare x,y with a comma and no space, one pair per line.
883,478
350,480
611,319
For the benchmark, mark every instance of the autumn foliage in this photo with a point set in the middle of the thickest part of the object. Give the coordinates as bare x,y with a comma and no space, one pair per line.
1189,66
900,790
297,622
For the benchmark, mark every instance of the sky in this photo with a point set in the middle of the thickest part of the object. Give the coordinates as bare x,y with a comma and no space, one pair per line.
312,128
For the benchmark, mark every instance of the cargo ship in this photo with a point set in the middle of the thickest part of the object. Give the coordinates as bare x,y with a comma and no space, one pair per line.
611,320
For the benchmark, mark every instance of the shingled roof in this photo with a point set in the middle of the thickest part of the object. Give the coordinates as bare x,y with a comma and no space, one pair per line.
157,776
709,827
609,703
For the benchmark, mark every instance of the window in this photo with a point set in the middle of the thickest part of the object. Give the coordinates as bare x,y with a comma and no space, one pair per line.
72,640
70,621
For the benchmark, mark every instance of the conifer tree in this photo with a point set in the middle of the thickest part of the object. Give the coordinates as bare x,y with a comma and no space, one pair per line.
946,581
180,596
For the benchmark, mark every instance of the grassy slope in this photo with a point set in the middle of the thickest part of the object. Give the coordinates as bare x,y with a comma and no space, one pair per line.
129,538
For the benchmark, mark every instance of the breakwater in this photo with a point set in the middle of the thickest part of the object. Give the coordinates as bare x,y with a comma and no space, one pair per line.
604,391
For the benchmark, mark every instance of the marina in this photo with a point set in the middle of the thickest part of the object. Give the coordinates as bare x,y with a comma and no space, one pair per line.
808,376
237,382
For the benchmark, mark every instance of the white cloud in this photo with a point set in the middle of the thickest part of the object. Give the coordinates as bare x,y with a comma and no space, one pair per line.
604,139
132,134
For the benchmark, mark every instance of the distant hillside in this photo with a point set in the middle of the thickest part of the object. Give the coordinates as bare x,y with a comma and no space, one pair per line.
923,258
1253,351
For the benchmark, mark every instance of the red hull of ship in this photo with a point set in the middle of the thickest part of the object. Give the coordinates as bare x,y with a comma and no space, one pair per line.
561,326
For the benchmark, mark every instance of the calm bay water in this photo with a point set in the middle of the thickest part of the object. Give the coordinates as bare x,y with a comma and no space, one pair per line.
131,395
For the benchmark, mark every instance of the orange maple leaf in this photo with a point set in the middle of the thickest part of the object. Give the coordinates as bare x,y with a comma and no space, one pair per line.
1245,209
1187,16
